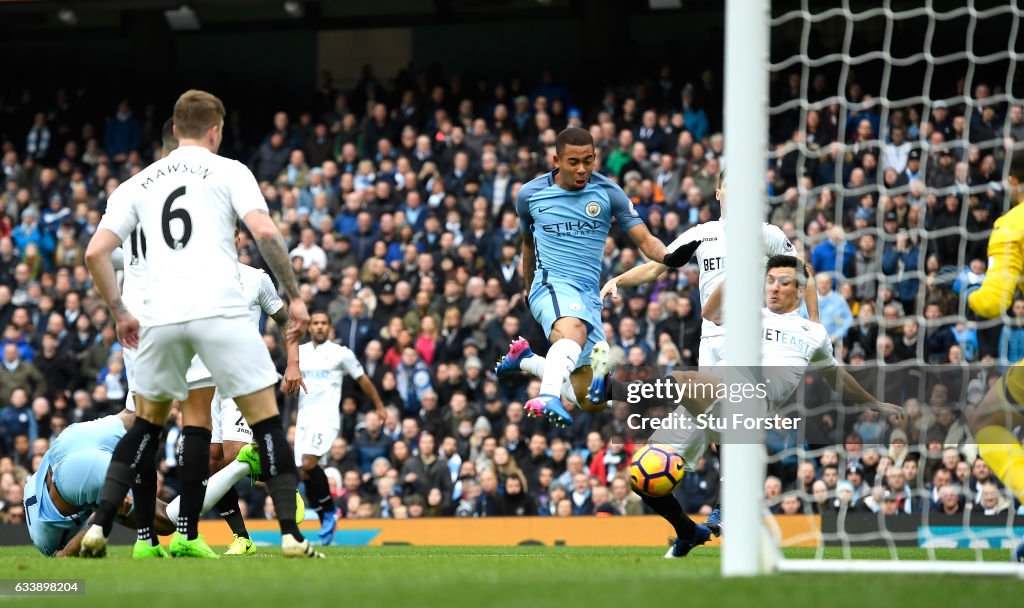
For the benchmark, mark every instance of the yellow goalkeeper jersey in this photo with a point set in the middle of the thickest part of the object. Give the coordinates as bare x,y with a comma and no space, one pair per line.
1005,266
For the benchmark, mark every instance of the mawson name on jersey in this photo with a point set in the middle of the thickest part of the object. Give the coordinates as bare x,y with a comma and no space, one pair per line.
171,168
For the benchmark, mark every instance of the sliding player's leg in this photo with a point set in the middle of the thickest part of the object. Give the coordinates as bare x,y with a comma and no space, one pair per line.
221,483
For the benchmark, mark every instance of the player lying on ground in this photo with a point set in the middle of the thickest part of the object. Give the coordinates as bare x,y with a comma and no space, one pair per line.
61,497
1002,409
193,199
565,216
790,344
323,365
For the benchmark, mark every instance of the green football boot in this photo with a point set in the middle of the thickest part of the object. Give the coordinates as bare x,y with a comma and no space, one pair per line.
182,547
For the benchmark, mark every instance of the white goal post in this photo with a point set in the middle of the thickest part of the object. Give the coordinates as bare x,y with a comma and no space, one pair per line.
750,547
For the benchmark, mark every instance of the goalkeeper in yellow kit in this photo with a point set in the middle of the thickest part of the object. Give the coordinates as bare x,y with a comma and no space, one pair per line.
1002,408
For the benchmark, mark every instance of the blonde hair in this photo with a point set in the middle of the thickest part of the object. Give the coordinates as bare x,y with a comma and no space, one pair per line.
196,111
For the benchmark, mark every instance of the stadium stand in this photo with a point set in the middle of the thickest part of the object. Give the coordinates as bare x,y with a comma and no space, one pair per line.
399,213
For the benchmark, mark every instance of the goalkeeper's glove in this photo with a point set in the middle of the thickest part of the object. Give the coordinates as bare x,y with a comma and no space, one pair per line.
681,255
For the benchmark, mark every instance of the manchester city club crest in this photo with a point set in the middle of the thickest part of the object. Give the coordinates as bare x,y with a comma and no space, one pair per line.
593,209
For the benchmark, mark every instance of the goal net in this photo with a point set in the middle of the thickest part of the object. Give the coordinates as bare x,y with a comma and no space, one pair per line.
893,141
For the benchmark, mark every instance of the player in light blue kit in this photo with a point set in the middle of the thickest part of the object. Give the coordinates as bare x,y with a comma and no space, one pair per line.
61,497
565,216
65,490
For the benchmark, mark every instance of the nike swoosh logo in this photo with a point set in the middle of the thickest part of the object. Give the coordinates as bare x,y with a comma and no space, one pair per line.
544,210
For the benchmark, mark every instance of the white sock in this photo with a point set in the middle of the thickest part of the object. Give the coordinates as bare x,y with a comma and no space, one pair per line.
533,366
568,392
561,360
216,487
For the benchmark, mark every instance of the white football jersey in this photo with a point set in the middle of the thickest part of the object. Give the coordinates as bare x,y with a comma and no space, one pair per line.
711,257
259,292
133,286
261,296
322,368
187,205
789,344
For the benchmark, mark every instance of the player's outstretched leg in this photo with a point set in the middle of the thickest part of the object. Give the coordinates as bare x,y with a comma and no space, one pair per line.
688,534
120,476
714,521
518,353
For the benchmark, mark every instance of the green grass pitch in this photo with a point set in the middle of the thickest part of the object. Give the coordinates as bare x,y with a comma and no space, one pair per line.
523,577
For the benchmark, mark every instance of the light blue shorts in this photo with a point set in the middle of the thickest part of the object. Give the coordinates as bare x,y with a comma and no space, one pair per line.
552,299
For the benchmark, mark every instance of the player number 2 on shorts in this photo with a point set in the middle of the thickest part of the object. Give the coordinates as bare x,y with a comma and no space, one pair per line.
178,214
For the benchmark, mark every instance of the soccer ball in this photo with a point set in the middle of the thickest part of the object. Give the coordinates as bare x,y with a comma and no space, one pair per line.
656,470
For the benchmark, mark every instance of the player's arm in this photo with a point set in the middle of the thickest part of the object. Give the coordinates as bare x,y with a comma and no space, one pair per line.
630,223
529,261
125,515
995,294
529,249
846,385
679,251
371,391
74,546
811,293
101,267
271,245
350,365
292,375
637,275
651,246
712,310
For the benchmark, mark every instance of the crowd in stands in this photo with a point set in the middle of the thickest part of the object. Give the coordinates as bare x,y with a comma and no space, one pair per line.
396,198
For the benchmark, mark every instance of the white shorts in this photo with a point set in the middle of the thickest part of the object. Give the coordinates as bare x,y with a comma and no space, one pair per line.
198,376
228,422
129,356
711,352
692,442
314,433
231,347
